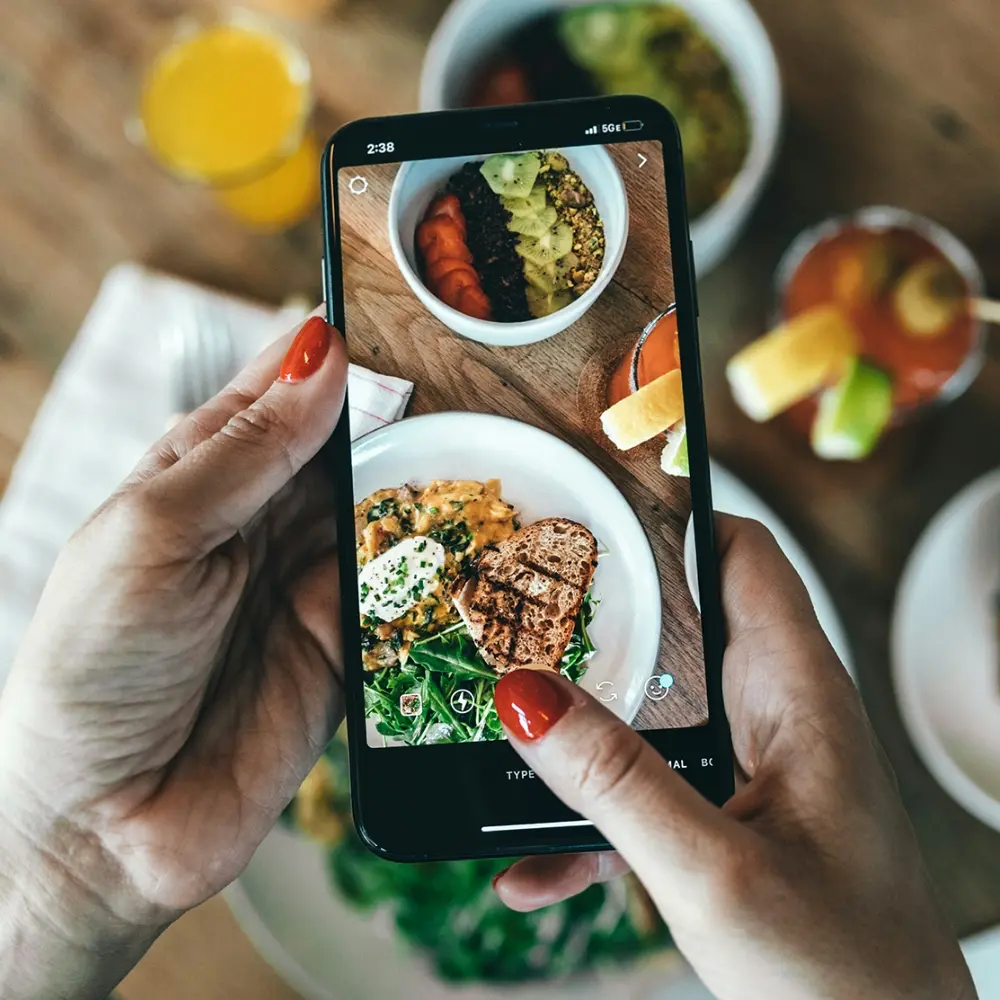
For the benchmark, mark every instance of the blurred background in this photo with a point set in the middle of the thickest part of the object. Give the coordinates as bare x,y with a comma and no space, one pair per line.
159,152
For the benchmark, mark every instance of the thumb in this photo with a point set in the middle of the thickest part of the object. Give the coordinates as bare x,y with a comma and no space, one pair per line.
666,831
223,481
781,677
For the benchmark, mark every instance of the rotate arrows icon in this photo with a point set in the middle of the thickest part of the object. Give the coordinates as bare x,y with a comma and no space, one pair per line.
613,696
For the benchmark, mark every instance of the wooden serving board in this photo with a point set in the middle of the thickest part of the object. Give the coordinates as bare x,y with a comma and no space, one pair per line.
558,384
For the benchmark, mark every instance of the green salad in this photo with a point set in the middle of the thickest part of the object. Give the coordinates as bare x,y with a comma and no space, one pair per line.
437,668
448,911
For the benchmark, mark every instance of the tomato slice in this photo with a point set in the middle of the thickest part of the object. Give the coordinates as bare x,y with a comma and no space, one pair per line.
440,267
452,284
437,228
473,302
445,249
449,206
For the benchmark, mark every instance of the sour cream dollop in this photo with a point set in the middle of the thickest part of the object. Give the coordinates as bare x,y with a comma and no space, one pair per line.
401,578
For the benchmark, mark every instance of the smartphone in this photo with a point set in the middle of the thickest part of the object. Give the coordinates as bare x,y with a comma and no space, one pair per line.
504,277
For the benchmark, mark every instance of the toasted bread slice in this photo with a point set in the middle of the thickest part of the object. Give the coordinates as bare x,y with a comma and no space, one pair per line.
520,600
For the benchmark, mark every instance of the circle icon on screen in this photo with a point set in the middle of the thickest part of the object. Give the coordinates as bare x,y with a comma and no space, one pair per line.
461,701
357,184
658,686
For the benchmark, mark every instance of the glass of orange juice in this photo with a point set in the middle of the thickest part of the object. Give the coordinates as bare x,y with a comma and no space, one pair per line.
227,104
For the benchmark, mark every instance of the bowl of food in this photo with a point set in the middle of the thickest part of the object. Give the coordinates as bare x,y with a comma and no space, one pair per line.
874,324
513,248
709,61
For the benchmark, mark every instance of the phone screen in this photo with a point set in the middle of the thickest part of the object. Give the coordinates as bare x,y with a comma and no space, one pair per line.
533,507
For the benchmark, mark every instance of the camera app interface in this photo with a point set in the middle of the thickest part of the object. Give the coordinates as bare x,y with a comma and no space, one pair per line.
532,507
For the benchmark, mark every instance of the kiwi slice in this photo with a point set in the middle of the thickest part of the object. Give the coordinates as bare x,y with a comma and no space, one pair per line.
551,277
556,161
511,176
529,206
606,37
536,225
563,267
544,303
551,246
543,278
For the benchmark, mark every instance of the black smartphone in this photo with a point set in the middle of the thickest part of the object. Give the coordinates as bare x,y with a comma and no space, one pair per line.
518,283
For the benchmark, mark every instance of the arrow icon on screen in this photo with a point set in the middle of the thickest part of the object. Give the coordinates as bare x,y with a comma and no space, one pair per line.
642,160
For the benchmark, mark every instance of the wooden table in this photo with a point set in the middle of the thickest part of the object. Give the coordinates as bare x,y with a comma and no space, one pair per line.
890,102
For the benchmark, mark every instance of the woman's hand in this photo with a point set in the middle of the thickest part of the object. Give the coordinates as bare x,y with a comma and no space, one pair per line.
808,884
179,679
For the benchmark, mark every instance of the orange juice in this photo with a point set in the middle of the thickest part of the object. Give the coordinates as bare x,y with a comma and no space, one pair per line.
227,105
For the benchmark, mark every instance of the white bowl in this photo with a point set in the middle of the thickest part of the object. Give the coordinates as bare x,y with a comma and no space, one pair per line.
419,181
944,648
471,30
731,496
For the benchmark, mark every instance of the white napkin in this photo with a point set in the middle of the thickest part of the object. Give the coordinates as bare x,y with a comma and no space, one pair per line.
109,401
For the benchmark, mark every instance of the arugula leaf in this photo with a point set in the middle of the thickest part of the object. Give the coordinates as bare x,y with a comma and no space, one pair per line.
436,667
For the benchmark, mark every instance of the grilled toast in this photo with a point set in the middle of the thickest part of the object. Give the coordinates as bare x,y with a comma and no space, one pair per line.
520,599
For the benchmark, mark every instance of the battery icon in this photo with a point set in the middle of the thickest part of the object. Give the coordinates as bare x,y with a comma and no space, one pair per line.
632,126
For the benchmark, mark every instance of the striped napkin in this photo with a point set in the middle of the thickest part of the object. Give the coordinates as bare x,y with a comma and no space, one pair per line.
110,399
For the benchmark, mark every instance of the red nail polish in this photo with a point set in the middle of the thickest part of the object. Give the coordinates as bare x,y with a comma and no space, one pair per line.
307,352
500,874
530,702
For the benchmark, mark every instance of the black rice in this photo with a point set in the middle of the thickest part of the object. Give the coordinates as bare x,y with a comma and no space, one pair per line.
500,269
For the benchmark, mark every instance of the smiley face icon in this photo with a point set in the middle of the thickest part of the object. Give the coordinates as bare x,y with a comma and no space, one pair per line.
658,686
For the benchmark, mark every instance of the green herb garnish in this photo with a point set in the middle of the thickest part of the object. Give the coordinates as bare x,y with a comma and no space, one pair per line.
384,508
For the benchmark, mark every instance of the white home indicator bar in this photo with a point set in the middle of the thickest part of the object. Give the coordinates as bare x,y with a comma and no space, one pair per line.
535,826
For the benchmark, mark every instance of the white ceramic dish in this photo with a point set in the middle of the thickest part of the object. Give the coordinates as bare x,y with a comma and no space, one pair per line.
471,30
419,181
732,497
945,661
328,951
541,476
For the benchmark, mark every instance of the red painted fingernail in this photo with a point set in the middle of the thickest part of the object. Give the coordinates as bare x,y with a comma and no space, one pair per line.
500,874
308,350
530,702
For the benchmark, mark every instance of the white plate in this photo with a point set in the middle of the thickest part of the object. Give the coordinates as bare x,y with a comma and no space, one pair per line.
284,900
541,476
944,648
327,950
731,496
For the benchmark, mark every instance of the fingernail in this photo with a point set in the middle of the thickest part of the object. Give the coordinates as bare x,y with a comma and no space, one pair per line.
499,875
307,352
530,702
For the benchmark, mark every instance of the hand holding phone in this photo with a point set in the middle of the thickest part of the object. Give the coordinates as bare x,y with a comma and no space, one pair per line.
545,503
809,882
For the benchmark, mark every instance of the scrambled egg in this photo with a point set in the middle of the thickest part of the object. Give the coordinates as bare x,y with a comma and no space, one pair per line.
463,516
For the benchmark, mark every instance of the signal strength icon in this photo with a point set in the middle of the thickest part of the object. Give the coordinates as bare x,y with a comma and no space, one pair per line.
591,131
